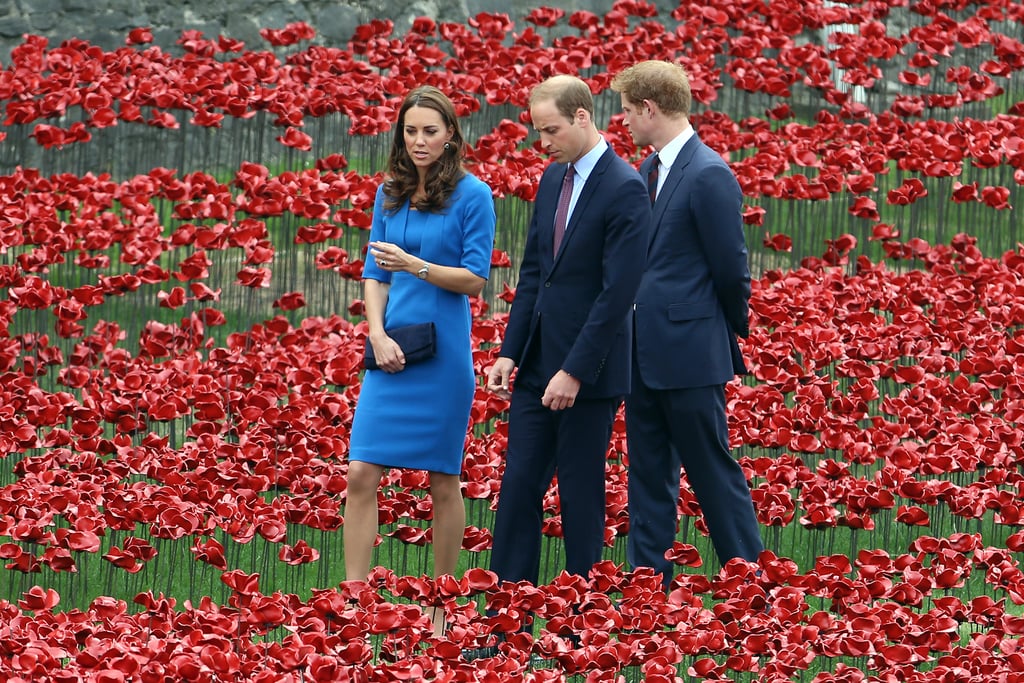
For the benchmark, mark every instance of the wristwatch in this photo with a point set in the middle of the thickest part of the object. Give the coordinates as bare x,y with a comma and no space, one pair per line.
424,271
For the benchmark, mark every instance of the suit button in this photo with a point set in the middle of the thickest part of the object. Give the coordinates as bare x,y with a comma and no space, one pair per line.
547,284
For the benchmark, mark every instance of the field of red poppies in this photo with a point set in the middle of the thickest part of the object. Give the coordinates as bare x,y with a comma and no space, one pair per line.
182,231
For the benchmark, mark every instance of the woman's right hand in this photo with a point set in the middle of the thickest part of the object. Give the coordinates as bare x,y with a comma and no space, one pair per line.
388,353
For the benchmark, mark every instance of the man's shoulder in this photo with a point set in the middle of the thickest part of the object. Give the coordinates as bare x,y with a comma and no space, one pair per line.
619,168
706,155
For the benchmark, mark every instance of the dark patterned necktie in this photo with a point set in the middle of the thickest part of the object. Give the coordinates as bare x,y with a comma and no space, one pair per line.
652,178
562,211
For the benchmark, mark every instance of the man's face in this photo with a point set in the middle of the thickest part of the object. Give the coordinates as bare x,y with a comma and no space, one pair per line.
562,139
636,117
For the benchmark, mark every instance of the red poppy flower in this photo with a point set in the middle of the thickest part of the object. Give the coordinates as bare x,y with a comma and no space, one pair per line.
313,234
864,207
997,197
290,301
778,242
211,552
424,26
38,599
300,553
239,581
293,137
289,35
254,277
965,193
909,192
163,119
545,17
684,555
173,299
884,231
754,215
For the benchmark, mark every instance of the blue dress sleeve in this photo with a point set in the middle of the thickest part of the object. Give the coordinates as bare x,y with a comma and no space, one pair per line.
478,223
378,230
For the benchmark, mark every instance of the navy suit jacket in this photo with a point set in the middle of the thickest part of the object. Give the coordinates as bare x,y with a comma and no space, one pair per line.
574,308
693,297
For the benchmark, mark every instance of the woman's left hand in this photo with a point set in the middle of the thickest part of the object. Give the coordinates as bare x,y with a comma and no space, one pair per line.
391,257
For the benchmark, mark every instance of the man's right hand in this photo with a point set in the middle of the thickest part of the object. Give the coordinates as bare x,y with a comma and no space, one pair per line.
499,376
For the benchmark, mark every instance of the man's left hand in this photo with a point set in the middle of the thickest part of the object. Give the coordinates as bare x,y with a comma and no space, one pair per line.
561,391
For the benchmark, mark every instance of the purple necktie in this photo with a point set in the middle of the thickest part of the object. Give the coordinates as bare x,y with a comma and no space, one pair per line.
562,211
652,178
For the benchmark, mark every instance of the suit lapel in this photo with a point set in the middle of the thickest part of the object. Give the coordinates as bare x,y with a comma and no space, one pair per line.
547,226
673,181
589,189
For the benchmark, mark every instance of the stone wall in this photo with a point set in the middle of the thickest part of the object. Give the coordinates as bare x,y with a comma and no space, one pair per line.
107,22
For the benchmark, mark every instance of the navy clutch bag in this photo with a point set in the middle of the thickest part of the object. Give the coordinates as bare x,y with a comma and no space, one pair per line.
418,343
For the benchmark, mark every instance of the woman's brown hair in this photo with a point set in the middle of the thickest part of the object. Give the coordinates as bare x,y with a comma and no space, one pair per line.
443,175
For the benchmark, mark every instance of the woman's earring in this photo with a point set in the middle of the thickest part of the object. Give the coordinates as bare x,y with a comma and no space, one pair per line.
447,146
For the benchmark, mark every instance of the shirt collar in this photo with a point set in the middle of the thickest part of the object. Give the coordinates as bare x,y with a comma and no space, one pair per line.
667,154
586,163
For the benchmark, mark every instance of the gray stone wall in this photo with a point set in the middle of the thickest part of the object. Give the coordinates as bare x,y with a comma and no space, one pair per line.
106,23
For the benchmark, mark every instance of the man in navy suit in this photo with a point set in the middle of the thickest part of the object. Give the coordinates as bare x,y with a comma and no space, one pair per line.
690,308
568,337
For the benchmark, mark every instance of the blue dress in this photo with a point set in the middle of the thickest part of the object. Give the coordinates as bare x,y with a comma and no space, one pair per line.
418,418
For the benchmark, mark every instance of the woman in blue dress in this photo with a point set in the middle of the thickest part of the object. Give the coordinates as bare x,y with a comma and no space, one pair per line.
429,251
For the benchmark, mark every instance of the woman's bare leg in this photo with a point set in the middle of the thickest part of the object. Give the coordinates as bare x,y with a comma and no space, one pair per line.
359,532
449,528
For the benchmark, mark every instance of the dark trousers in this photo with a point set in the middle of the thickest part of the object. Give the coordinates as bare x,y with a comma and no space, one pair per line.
572,442
684,428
